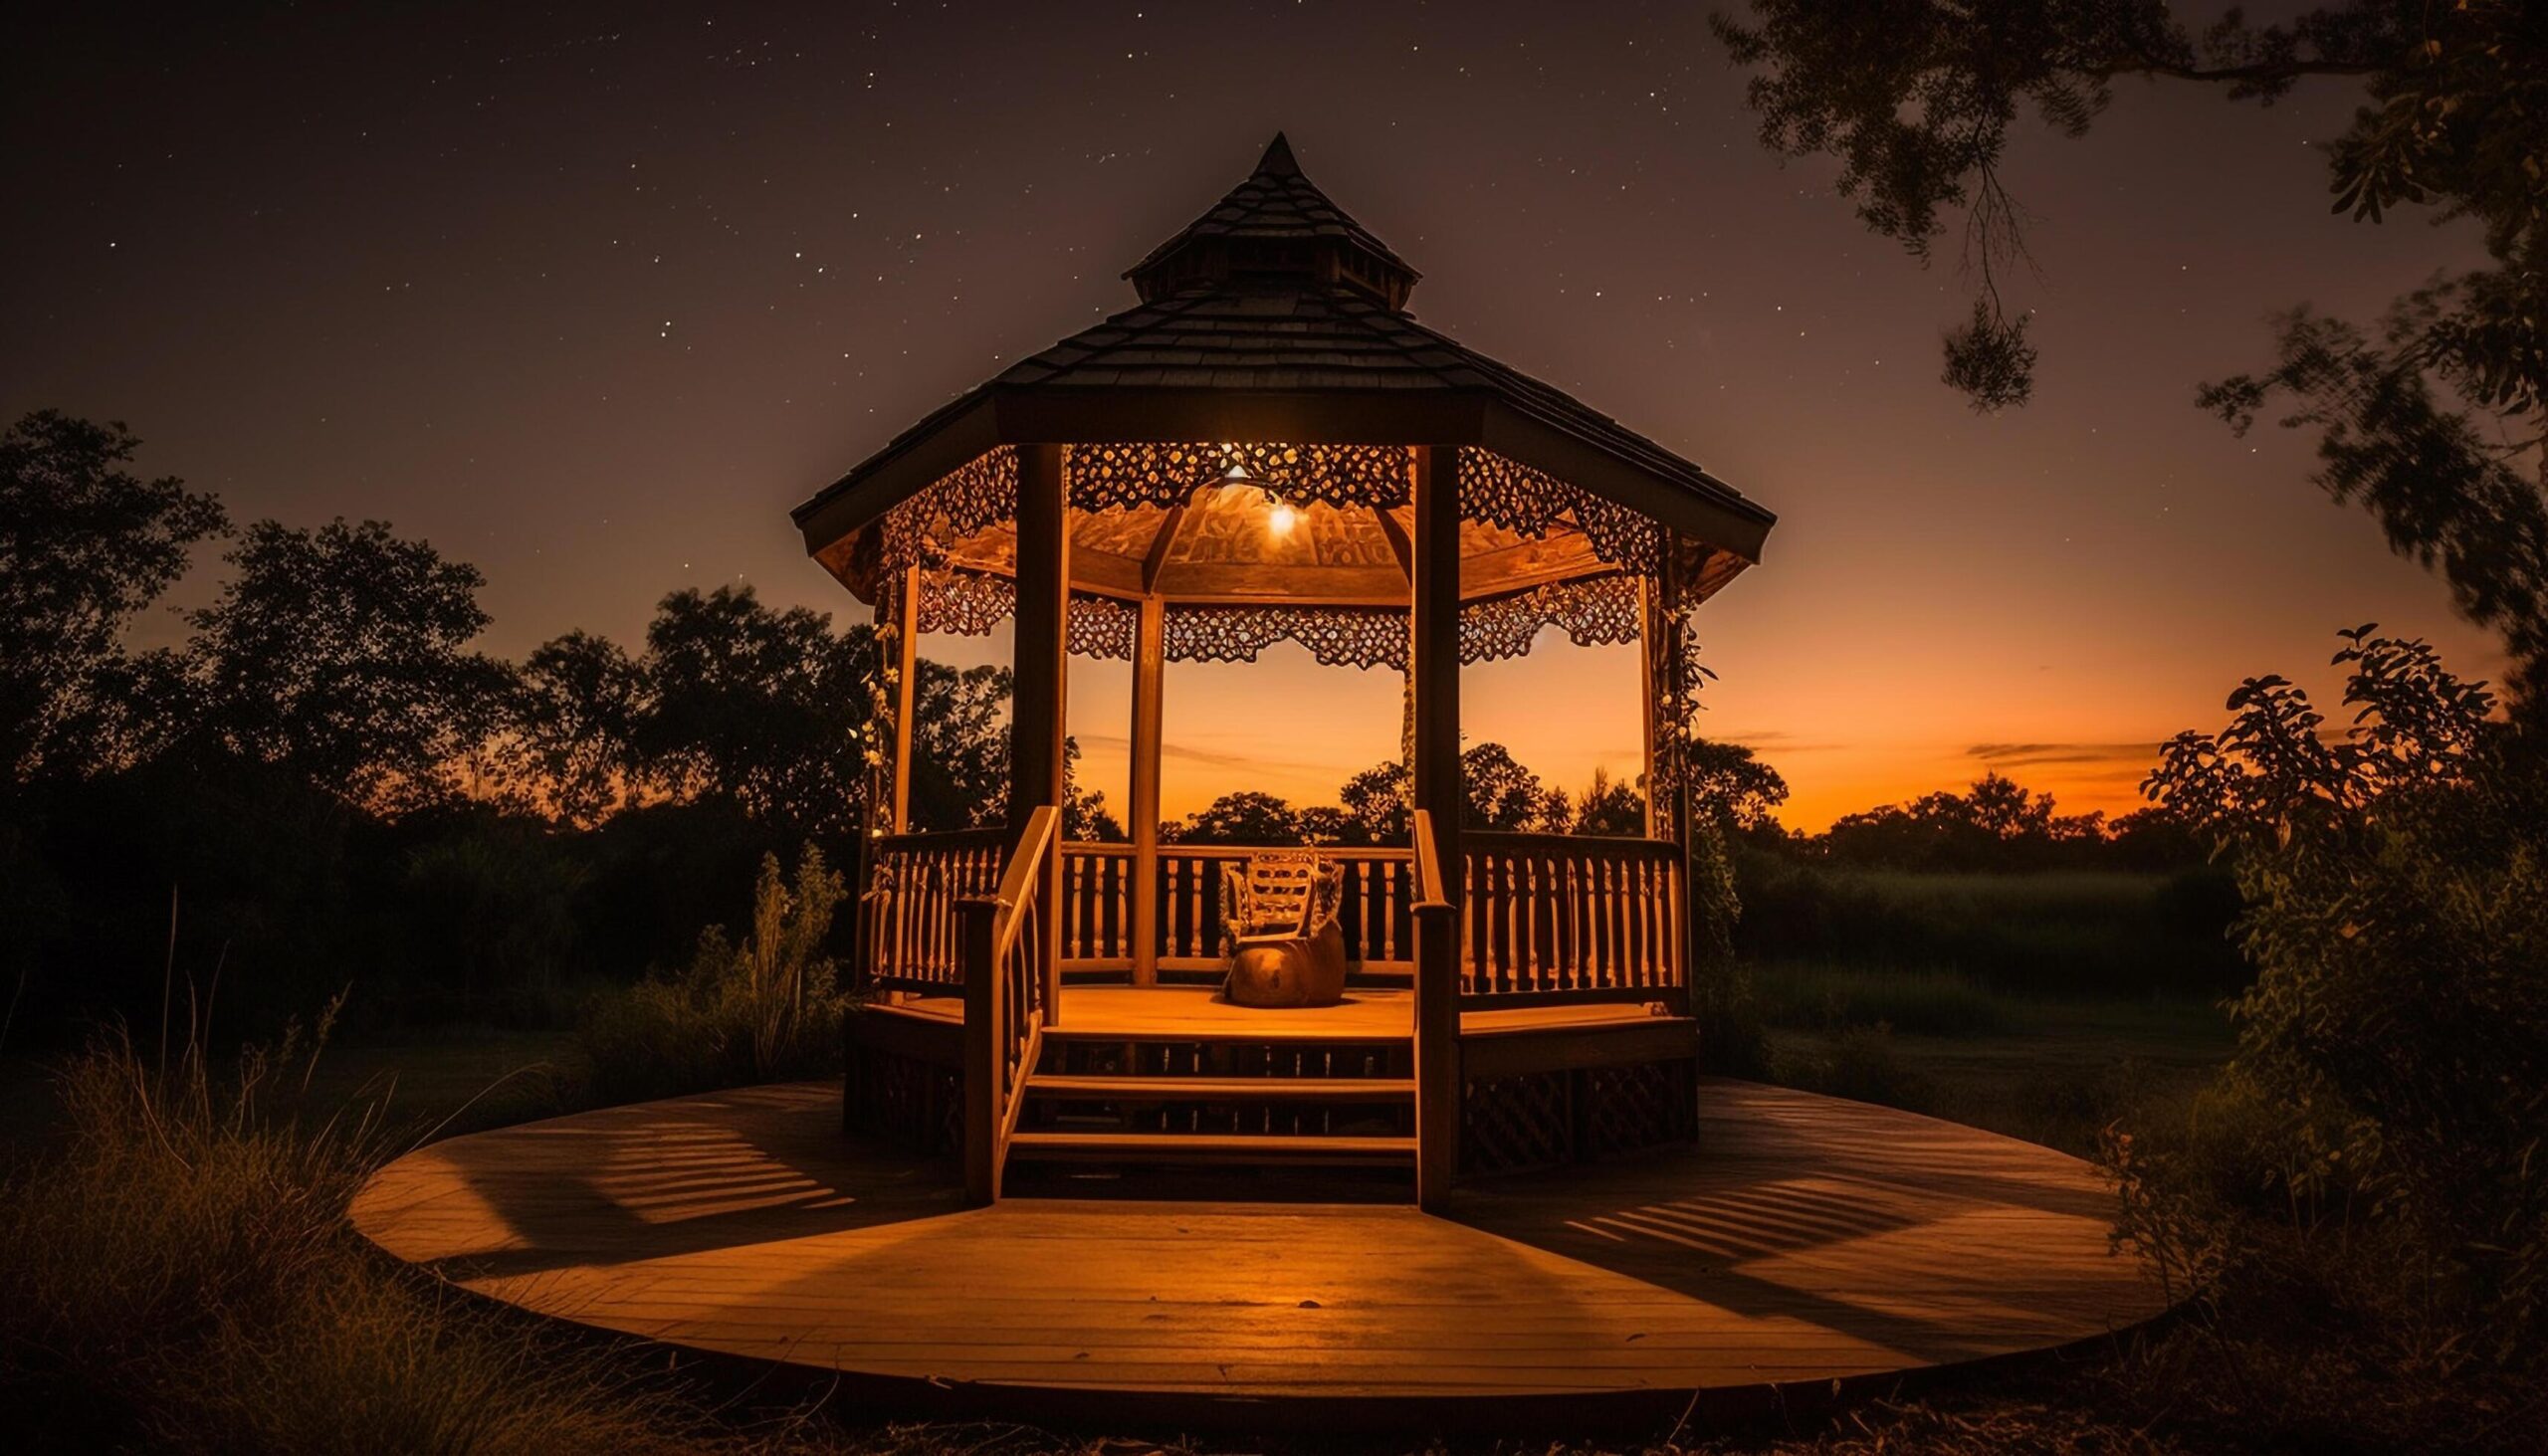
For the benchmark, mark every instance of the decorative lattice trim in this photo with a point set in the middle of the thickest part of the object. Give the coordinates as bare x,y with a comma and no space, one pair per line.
964,603
1504,492
971,603
1102,626
981,492
1595,610
1592,611
1361,637
1167,473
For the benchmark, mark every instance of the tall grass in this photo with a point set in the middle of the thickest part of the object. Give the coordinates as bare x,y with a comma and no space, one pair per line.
178,1275
765,1011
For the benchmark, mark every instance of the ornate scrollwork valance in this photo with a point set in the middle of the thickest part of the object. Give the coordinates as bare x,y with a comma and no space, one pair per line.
1357,637
1166,473
1592,611
1504,492
971,603
1493,487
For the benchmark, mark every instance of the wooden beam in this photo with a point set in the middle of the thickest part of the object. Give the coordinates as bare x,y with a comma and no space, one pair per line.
907,673
1038,713
1148,677
1399,545
1161,544
1435,670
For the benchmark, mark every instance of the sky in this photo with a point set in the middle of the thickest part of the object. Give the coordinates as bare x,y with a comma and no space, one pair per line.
590,297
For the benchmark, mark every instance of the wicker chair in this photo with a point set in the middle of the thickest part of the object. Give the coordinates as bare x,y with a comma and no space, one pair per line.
1278,930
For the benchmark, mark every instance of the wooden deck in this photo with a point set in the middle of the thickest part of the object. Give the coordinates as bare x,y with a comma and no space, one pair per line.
1803,1241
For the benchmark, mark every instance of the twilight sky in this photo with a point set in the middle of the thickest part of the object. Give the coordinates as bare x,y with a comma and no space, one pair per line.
591,300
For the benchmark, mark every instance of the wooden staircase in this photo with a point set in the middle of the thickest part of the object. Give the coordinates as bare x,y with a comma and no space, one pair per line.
1238,1112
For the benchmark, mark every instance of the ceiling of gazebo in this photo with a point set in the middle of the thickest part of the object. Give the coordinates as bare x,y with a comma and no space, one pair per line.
1226,544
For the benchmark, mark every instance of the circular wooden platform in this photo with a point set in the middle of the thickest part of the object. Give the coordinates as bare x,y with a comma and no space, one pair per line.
1804,1241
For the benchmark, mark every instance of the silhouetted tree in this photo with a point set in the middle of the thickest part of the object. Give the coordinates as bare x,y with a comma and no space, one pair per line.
576,725
1915,100
1085,816
1502,794
1610,806
84,545
1377,801
1732,787
1249,817
342,655
959,745
765,708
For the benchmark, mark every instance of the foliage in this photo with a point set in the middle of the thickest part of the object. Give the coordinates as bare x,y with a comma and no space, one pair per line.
1610,807
84,546
1085,817
960,747
764,708
2396,878
575,725
341,655
1502,794
1378,802
1246,817
1997,824
2443,492
178,1275
763,1010
1916,101
1731,786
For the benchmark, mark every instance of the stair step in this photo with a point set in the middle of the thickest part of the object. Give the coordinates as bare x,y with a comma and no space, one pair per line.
1223,1089
1203,1148
1225,1032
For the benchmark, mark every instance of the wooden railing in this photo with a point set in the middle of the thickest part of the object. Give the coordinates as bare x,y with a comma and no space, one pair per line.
915,883
1006,1001
1097,899
1556,918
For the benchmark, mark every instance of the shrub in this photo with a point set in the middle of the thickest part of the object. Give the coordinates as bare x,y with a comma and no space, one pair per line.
764,1011
2396,882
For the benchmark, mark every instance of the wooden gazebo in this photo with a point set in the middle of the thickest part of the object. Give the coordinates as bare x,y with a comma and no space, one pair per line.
1270,447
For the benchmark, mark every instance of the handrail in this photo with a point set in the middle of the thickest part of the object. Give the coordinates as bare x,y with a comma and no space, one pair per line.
1005,1002
1429,866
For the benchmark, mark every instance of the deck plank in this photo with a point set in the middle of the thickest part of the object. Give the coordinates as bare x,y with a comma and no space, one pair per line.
1802,1239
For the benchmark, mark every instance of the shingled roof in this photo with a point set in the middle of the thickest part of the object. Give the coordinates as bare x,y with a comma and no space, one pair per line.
1276,317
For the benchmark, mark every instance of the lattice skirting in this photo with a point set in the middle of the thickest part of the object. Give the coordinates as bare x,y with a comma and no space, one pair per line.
1544,1118
909,1101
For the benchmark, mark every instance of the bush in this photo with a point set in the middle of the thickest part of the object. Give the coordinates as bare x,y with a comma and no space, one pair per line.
769,1009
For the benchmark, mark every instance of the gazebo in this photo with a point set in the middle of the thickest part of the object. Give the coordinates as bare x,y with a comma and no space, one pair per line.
1269,447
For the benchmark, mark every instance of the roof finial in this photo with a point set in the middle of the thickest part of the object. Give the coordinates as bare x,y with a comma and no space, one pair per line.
1277,160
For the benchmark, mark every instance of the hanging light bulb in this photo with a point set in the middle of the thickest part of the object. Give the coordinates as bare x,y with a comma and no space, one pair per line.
1281,518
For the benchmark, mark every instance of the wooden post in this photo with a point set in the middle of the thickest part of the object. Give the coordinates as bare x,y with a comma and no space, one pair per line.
1038,711
906,590
983,1038
1649,685
1149,674
1435,668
